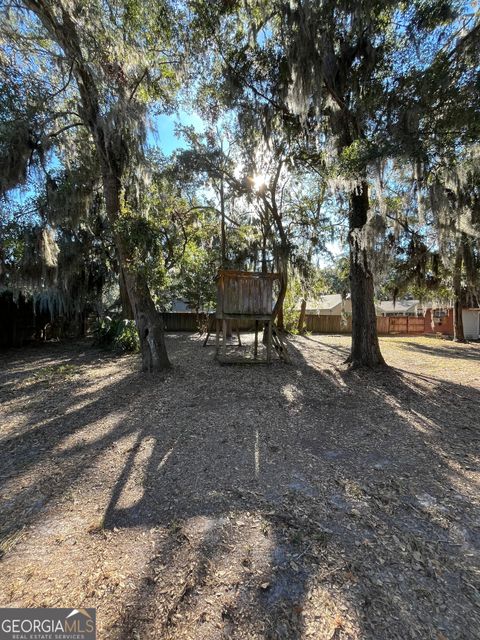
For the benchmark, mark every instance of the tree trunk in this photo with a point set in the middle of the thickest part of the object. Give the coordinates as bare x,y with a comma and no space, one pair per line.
149,322
277,312
127,311
223,258
280,318
301,319
264,251
458,334
149,325
365,350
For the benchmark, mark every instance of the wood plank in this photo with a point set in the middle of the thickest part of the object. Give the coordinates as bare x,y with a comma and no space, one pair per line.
224,336
269,341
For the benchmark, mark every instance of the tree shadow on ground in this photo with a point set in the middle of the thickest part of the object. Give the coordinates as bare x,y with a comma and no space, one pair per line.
288,500
38,466
384,493
342,350
446,350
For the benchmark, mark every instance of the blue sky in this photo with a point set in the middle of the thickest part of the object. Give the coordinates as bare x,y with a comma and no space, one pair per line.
163,133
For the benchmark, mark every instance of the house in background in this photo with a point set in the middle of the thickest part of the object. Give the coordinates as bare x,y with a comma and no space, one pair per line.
400,308
180,305
437,318
327,305
440,320
330,305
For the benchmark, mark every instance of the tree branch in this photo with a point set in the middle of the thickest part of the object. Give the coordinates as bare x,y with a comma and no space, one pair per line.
66,128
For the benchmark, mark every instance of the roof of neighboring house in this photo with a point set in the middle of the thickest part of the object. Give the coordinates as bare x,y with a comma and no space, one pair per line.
405,306
398,306
328,301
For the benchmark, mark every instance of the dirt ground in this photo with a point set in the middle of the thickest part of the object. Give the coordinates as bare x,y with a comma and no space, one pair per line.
245,502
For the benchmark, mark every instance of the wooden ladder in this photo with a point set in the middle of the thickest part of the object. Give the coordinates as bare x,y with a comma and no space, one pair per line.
279,345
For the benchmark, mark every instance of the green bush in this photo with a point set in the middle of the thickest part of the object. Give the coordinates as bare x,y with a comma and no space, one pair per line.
117,334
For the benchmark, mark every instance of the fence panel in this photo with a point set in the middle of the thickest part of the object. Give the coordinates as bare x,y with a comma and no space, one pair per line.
186,321
383,325
337,324
398,324
179,321
416,325
407,324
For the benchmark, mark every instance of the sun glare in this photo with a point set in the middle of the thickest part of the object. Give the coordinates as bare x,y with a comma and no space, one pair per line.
258,182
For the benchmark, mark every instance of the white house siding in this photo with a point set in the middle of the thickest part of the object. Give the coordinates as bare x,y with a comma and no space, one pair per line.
470,324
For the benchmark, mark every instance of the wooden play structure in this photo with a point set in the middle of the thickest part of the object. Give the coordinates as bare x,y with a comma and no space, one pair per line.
245,295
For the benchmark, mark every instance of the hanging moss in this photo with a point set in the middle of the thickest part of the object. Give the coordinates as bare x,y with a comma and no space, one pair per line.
455,202
38,267
16,148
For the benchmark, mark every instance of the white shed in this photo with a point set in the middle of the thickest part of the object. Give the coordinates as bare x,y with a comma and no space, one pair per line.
471,323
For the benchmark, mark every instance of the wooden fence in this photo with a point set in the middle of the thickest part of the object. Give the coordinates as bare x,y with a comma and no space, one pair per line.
180,321
338,324
184,321
383,325
406,324
328,324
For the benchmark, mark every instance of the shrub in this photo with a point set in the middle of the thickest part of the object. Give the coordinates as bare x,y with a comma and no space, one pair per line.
117,334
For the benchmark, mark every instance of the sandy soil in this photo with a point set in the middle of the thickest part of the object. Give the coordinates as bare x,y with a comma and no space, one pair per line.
291,501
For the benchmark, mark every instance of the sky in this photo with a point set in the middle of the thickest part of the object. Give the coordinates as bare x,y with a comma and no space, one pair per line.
162,133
